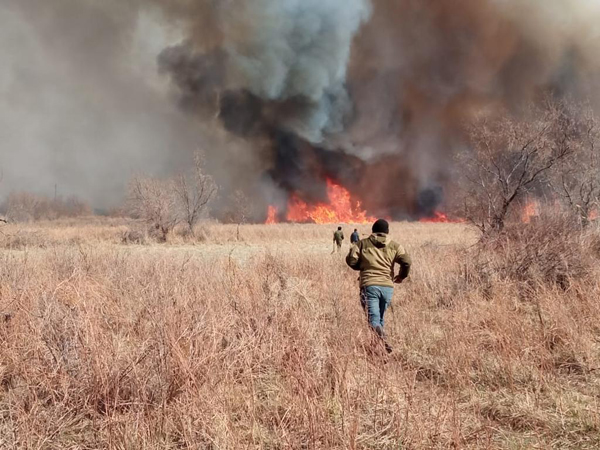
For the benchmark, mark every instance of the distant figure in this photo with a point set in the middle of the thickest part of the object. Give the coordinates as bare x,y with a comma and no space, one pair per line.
338,238
355,237
375,257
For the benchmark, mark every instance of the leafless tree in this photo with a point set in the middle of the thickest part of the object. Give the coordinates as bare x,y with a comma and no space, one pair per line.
26,206
154,202
23,207
508,156
74,206
242,210
242,207
194,192
577,179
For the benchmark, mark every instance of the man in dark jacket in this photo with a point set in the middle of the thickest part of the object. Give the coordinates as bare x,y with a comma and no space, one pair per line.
355,237
376,258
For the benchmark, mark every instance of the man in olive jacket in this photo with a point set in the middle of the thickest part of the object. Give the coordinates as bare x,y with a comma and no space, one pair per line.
338,238
376,258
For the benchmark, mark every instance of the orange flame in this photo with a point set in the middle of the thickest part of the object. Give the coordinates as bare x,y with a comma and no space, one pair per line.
271,216
341,208
530,211
440,217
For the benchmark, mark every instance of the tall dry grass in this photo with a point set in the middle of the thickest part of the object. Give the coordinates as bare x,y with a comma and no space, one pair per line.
259,342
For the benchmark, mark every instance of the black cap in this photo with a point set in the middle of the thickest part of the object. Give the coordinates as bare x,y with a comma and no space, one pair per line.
381,226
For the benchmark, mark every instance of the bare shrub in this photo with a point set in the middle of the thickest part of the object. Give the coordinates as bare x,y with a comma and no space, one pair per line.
203,234
194,191
576,180
509,155
23,239
72,206
22,206
547,252
29,207
592,243
134,237
243,210
154,202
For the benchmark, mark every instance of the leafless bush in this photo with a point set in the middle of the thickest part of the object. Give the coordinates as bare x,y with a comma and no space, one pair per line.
509,155
241,212
550,251
28,207
194,191
576,180
73,206
242,204
154,202
134,237
164,204
22,206
22,239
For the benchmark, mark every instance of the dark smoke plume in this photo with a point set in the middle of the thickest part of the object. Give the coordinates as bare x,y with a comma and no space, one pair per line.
280,94
278,80
386,122
421,69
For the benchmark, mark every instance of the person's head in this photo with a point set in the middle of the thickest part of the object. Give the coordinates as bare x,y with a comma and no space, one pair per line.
355,230
381,226
339,228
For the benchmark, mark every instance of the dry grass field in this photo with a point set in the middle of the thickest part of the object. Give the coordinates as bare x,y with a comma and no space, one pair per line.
254,338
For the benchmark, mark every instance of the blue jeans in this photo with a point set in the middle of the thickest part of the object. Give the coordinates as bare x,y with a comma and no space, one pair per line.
375,300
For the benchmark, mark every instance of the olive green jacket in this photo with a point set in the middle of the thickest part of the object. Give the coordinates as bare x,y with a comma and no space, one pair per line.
338,237
376,258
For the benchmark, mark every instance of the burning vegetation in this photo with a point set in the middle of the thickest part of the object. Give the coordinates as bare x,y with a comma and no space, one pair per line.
282,94
340,208
287,98
320,96
438,217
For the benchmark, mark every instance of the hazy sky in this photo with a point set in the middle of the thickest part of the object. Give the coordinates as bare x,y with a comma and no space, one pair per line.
81,103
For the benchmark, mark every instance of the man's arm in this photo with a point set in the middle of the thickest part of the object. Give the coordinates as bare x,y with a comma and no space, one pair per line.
403,259
353,258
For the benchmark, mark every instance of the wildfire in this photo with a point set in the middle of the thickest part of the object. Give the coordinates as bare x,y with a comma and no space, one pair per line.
530,211
271,216
341,208
440,217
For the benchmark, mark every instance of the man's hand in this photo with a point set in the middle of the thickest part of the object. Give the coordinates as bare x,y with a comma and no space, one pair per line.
399,279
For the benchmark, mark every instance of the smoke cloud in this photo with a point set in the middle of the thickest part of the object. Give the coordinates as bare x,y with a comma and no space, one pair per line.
82,107
280,94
